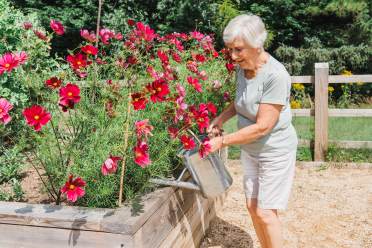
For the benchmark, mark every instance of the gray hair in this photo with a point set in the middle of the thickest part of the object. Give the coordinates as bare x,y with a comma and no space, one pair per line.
248,27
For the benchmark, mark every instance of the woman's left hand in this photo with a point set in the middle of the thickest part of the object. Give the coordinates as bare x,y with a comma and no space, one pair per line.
216,143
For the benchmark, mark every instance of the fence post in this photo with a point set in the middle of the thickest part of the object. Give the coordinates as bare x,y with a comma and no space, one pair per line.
321,111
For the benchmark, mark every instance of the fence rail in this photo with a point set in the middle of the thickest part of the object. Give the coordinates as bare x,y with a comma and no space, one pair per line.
321,112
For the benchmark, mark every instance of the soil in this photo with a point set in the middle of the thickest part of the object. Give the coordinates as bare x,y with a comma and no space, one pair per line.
328,208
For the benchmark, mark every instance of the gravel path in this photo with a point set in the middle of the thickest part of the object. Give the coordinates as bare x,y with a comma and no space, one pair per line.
328,208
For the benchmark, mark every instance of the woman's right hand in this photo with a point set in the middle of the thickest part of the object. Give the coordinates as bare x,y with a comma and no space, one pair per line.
215,128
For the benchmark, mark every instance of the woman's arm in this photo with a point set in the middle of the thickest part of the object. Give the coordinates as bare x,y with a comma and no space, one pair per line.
222,118
267,117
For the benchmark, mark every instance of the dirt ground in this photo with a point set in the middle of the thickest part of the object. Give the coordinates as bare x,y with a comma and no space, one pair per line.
328,208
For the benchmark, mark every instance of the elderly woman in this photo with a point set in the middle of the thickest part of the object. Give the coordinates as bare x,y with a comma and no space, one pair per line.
267,138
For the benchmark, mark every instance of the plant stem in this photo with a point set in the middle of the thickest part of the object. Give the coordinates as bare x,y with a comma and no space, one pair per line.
59,147
125,148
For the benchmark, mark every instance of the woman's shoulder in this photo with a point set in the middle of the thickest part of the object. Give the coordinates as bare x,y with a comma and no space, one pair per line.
277,70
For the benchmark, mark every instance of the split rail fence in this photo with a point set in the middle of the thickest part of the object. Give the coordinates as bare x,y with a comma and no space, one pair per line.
321,80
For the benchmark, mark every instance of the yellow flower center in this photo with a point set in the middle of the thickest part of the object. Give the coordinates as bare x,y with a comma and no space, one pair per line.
55,84
1,110
71,187
136,99
69,94
7,65
36,117
79,62
159,89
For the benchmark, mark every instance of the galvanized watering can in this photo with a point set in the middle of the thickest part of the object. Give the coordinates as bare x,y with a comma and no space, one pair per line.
209,174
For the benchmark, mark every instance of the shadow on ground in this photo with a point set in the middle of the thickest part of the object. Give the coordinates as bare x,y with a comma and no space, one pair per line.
233,236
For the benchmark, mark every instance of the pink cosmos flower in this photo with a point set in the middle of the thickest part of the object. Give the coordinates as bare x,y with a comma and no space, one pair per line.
143,128
27,25
153,73
145,32
106,34
57,27
197,35
91,37
41,35
74,188
110,165
188,142
21,57
69,96
8,62
5,107
192,66
36,116
141,155
205,148
163,57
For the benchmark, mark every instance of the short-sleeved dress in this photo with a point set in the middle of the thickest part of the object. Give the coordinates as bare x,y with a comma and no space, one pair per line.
269,161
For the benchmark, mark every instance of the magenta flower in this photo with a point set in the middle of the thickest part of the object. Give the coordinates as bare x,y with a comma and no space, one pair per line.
187,142
57,27
74,188
141,155
91,37
205,148
143,128
8,62
36,116
110,165
5,107
69,96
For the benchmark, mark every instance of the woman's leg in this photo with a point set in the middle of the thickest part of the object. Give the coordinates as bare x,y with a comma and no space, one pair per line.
269,222
252,209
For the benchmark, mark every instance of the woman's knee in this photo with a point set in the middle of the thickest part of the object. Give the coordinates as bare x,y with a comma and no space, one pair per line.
266,216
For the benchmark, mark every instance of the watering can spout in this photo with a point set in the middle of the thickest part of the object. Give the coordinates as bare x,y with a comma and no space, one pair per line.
209,174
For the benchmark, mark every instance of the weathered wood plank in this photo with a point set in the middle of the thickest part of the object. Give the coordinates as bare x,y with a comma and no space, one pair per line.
321,111
350,165
335,112
335,79
303,79
20,236
340,143
119,220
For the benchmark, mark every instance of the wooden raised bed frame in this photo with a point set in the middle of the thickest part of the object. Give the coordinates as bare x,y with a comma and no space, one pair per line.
168,217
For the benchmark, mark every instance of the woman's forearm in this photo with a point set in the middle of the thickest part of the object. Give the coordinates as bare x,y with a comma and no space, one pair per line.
245,135
228,113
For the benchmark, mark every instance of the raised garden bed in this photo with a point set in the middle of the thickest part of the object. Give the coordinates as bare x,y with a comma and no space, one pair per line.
167,217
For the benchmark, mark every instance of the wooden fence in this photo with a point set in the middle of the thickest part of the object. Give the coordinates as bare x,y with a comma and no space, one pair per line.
320,80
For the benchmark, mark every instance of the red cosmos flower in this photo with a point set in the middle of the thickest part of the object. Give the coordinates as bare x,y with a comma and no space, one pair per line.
41,35
78,61
163,57
74,188
27,25
145,32
5,107
229,67
195,83
200,58
36,116
201,116
110,165
89,49
141,155
173,132
53,82
131,22
118,36
205,148
197,35
8,62
188,142
91,37
143,128
69,95
212,108
132,60
57,27
176,57
139,101
158,90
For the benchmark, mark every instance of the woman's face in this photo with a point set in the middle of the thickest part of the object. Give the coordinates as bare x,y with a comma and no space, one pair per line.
242,54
